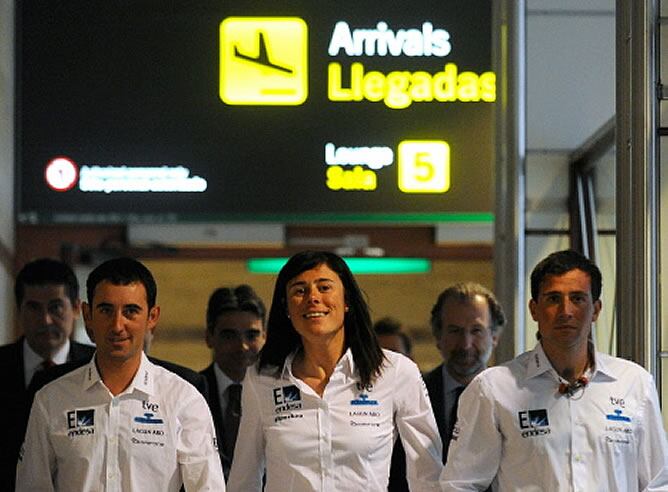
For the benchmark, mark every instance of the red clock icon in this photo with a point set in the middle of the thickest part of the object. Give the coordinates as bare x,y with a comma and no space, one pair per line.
61,174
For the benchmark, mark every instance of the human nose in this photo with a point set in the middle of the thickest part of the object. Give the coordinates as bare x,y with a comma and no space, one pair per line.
117,322
313,296
244,343
47,318
566,308
466,339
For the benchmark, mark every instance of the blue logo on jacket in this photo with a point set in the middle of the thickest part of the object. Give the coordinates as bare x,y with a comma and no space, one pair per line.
148,419
363,399
617,416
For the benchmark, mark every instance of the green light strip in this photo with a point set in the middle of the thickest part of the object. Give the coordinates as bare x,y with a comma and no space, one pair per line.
46,217
359,266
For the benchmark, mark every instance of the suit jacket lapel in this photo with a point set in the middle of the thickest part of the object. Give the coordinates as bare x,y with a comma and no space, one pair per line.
15,371
214,403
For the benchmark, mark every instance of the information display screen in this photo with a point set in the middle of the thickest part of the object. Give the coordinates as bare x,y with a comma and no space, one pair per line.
148,111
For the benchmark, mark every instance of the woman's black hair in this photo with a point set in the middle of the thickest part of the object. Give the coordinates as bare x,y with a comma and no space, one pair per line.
283,339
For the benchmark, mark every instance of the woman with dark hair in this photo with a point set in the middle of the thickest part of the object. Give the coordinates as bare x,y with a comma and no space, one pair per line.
323,407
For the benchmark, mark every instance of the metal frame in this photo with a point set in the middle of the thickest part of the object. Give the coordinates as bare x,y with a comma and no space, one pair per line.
637,183
509,21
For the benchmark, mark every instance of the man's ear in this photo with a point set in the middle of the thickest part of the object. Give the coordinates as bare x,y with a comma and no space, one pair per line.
532,309
597,309
153,317
85,308
76,307
495,337
208,336
439,343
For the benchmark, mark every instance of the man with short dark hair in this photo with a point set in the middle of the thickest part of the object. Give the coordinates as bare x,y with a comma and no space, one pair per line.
392,337
120,422
235,332
47,302
561,416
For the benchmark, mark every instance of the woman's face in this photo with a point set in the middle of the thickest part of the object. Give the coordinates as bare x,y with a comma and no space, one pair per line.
316,304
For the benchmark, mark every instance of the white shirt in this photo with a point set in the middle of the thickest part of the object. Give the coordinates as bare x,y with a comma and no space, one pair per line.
153,436
516,431
340,442
32,361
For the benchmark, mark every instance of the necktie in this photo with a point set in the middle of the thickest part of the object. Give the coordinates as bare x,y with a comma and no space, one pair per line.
46,364
231,418
456,393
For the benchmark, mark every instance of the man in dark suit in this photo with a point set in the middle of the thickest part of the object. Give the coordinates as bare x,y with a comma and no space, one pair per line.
466,322
235,331
47,300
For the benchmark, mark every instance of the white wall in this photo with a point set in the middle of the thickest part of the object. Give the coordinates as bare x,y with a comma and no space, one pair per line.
570,71
6,167
570,95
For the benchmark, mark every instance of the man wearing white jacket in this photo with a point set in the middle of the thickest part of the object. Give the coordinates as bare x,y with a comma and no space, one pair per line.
561,417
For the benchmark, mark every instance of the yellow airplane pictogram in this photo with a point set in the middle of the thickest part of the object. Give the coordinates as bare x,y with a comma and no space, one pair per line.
262,58
263,61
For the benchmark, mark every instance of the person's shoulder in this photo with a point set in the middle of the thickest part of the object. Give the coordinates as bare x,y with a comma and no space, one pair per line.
10,347
399,365
396,358
267,376
166,373
46,376
174,387
59,379
618,366
10,352
208,370
183,372
191,376
520,361
434,375
509,369
81,351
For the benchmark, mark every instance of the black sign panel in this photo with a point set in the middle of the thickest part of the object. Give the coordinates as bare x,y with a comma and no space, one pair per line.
146,111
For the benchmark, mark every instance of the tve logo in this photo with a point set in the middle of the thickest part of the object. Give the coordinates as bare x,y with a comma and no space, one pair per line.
263,61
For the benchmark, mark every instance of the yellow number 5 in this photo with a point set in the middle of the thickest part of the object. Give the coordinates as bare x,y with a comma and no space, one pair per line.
424,166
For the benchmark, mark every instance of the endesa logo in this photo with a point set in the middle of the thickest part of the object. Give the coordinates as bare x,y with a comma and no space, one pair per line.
287,398
80,422
534,423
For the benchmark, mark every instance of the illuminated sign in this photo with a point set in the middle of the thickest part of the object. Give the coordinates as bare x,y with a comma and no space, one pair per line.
254,110
157,179
424,166
61,174
263,60
399,89
383,41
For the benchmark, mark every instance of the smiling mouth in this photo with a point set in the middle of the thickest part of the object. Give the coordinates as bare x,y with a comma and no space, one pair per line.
318,314
116,341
